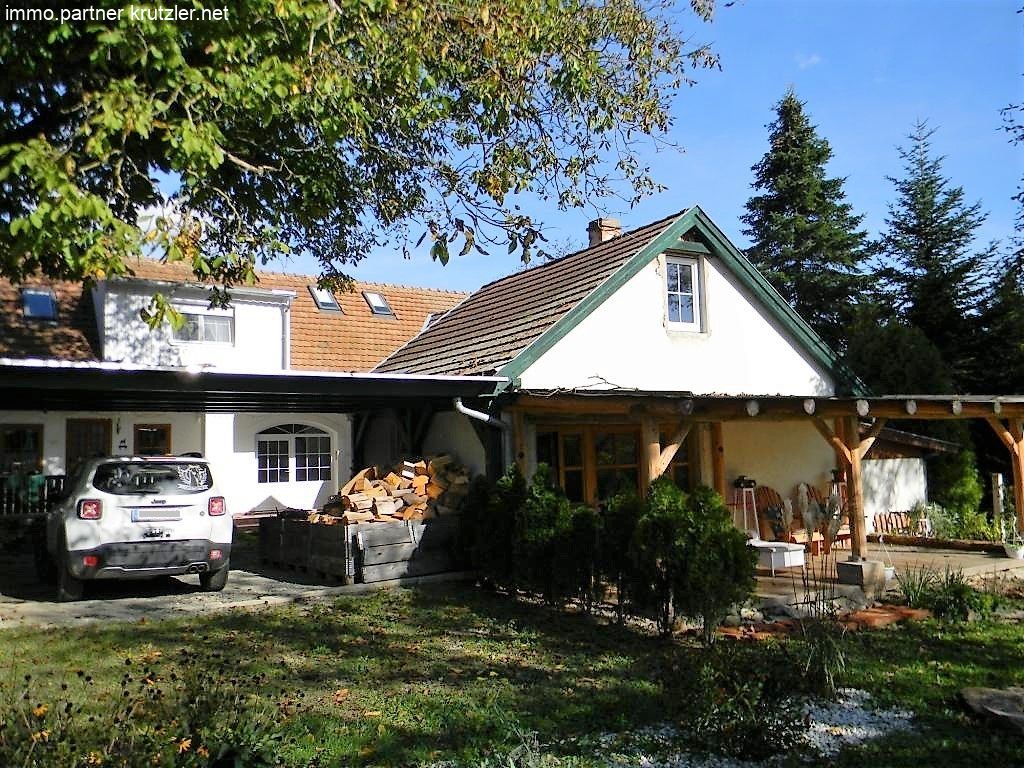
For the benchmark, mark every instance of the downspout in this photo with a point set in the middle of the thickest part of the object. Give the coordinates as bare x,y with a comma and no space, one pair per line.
486,418
286,333
495,444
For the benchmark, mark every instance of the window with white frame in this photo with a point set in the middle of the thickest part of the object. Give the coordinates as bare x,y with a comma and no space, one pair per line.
682,294
293,451
199,327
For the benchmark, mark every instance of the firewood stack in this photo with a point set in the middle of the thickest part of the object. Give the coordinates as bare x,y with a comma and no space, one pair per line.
414,490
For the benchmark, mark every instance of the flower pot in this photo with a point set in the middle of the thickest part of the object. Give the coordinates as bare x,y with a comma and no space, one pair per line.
1016,551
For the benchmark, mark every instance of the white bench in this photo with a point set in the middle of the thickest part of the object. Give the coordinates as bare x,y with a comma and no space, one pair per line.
777,554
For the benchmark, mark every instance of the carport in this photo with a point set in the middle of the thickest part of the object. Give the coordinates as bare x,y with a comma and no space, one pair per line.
41,387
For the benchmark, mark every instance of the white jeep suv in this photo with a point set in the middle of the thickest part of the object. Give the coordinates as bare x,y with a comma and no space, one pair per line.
138,517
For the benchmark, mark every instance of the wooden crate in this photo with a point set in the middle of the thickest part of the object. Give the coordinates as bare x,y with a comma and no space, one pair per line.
365,552
414,549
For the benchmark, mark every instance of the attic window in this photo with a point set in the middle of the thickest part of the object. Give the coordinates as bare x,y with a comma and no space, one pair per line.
682,293
378,304
324,299
39,303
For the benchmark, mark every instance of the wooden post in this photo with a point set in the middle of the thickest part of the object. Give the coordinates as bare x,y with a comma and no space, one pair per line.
1013,439
519,441
589,467
650,452
855,491
1017,457
718,459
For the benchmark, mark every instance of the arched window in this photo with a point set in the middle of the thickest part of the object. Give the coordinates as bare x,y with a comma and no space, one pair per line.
293,451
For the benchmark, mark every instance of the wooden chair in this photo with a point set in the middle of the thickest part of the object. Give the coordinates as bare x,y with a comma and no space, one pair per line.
772,526
843,534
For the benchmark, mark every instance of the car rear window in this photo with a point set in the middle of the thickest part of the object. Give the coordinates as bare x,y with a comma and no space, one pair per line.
124,477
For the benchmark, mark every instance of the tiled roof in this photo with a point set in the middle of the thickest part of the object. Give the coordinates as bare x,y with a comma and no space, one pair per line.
501,319
352,340
72,337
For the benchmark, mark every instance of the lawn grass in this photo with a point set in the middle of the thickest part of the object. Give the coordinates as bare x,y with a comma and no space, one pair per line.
414,676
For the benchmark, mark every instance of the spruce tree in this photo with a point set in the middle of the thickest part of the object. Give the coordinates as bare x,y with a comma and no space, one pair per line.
805,236
1000,368
933,277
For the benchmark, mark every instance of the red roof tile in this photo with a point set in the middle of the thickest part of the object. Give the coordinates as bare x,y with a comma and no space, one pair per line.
353,340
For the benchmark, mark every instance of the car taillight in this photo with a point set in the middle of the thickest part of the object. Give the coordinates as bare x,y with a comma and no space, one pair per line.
90,561
216,506
90,509
216,554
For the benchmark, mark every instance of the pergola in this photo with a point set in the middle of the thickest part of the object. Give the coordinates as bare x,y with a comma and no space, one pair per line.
837,419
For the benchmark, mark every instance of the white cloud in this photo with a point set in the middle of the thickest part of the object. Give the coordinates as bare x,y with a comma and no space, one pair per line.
806,62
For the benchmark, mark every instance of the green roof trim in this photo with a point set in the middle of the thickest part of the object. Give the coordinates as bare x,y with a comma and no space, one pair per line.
719,247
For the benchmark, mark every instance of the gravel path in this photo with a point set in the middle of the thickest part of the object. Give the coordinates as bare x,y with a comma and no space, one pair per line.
848,721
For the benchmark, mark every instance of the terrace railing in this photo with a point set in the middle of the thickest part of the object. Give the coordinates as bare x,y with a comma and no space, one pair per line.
27,496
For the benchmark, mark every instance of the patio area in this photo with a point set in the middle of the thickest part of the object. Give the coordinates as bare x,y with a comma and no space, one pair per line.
787,584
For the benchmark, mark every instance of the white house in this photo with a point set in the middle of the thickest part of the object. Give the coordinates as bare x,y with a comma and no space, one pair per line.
658,350
57,337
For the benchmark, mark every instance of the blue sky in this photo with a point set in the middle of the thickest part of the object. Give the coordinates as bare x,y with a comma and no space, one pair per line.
867,71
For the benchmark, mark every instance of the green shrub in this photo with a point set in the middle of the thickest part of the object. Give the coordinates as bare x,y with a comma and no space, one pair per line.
948,595
496,527
955,486
717,569
824,657
734,712
543,533
689,558
954,598
581,553
917,583
619,517
657,551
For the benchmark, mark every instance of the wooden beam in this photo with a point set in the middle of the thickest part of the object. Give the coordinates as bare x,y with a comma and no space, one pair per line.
855,492
713,409
832,438
650,452
870,436
1002,433
718,460
519,441
669,451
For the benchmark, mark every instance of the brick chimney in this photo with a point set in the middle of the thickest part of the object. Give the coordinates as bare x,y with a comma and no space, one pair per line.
602,230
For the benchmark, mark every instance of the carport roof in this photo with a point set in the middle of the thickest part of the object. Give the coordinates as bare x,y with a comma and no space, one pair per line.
87,386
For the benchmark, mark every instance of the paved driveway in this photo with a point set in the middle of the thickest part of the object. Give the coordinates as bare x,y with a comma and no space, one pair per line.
26,601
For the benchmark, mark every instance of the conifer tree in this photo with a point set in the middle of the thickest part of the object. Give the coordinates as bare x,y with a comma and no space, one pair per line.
1001,359
933,277
806,239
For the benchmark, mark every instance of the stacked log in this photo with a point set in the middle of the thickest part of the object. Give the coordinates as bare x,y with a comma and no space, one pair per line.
412,491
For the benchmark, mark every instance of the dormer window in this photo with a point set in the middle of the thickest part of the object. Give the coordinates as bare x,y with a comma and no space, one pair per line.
218,329
682,294
378,304
39,303
324,299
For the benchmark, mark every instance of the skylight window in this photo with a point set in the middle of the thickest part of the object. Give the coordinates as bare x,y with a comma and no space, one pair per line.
39,303
324,299
378,304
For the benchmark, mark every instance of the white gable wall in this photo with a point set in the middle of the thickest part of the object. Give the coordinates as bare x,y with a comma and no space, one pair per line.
624,343
260,331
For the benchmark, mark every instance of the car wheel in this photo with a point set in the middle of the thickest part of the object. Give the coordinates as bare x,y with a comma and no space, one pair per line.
46,568
69,588
214,582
